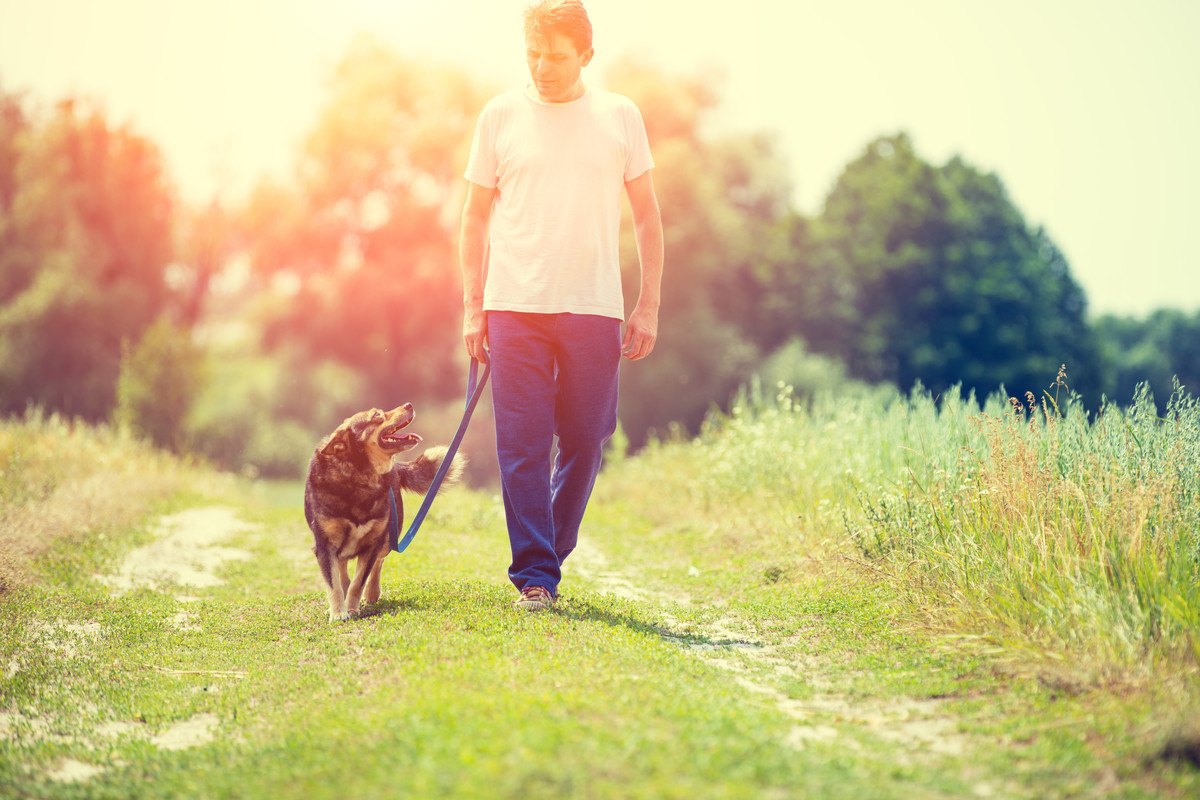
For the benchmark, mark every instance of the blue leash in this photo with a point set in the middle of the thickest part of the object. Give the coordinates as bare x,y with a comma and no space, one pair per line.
475,386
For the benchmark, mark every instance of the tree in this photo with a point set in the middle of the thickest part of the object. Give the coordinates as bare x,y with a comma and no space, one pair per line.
85,216
364,240
722,200
159,378
934,275
1155,351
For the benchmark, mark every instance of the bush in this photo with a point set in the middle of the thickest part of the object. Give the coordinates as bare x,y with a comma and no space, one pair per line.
264,415
807,373
158,380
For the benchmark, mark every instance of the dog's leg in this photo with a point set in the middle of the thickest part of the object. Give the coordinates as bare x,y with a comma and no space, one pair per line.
344,570
367,566
336,580
372,593
325,558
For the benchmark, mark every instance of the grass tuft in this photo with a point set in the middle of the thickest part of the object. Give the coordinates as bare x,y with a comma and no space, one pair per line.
1060,535
63,479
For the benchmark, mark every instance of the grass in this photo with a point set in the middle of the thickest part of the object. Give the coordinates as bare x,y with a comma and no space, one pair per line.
1053,533
777,640
61,478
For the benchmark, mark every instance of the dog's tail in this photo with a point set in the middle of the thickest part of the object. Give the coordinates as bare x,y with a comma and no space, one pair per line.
416,475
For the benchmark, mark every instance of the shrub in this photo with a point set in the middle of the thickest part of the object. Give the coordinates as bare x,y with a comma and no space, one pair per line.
807,373
264,415
158,381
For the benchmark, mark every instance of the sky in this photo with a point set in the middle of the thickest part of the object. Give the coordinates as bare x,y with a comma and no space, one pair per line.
1088,110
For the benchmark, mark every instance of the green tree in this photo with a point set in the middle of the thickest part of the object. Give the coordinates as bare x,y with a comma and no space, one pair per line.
1156,350
361,245
724,199
85,223
358,252
159,377
932,274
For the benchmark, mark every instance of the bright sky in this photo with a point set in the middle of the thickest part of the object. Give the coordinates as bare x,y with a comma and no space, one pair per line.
1087,109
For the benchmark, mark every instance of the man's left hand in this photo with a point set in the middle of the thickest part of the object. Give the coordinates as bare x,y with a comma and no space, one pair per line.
641,332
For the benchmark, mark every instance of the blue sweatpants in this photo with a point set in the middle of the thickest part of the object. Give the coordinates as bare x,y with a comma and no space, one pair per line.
552,374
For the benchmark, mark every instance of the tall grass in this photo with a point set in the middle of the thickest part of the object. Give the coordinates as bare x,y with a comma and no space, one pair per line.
1042,526
63,478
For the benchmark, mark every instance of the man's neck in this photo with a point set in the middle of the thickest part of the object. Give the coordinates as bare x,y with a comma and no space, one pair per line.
579,90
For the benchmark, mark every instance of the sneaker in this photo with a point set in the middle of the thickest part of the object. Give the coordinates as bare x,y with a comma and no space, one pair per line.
534,598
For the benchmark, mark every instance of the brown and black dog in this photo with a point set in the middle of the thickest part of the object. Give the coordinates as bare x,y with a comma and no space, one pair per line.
346,499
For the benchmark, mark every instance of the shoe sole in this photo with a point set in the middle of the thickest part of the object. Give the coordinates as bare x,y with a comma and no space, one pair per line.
533,605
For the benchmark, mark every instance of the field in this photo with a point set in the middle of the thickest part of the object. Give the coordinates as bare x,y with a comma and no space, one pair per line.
860,596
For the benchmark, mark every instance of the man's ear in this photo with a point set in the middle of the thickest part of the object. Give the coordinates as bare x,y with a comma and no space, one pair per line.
586,58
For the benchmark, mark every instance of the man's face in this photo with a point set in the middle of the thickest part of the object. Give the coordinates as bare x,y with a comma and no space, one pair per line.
555,67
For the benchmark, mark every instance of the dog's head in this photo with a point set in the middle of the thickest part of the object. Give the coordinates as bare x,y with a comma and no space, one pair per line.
371,438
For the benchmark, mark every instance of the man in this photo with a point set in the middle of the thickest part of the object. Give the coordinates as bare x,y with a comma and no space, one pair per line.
542,283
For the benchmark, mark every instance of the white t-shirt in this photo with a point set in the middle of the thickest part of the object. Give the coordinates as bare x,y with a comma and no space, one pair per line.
559,169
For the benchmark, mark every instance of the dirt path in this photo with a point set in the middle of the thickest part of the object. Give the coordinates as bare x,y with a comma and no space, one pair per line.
921,727
187,553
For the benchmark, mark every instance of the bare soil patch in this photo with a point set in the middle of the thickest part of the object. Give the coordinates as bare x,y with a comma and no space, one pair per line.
187,551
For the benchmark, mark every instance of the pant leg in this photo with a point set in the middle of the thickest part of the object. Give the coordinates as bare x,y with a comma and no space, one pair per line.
588,358
523,399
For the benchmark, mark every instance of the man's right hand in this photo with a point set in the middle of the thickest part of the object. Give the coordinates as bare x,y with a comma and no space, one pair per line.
475,333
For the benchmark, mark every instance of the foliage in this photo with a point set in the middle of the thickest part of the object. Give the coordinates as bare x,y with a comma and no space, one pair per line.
85,237
264,414
61,479
806,374
720,198
1044,529
931,274
158,380
912,271
1157,350
365,234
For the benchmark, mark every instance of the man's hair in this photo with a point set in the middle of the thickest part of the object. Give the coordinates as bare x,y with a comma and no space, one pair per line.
565,17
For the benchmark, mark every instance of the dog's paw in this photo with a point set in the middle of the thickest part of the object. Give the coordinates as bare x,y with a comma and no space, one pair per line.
339,616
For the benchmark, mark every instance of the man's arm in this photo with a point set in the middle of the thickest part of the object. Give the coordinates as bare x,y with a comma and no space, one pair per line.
641,331
472,243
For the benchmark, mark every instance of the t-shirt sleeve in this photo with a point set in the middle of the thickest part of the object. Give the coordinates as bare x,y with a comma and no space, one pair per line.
638,160
481,164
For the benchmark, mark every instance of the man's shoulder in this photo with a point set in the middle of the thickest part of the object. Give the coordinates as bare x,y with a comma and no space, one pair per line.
505,101
614,100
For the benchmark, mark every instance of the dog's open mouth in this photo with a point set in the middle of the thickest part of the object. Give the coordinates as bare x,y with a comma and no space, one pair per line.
391,436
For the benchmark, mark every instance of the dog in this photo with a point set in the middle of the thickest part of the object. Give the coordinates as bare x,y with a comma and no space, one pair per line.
346,499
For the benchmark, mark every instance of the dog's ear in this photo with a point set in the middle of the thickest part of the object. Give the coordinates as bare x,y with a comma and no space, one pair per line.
336,445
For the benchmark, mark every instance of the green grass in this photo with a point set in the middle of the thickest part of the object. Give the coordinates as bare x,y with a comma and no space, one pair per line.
1073,538
763,653
61,478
